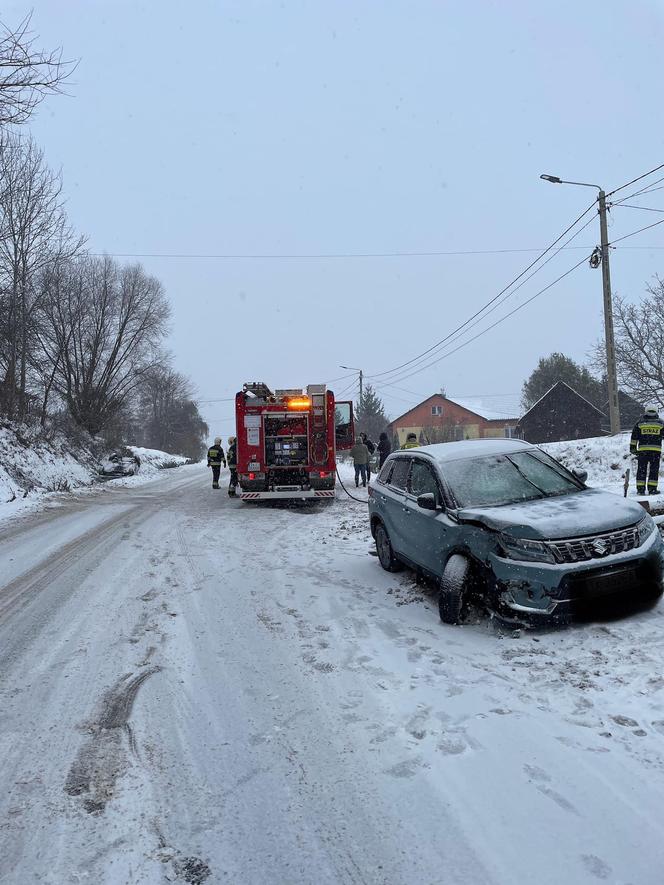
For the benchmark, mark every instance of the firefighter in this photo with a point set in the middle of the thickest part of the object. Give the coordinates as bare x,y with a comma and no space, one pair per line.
231,458
646,444
411,442
215,458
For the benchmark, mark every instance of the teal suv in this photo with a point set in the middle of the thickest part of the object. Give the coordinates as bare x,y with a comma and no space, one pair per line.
501,520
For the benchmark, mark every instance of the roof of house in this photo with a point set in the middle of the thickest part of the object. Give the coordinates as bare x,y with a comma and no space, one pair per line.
504,410
575,392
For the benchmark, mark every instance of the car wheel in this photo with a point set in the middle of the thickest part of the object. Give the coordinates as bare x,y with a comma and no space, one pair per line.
384,549
452,587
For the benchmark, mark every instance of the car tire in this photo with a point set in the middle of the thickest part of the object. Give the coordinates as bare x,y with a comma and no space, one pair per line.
452,588
386,555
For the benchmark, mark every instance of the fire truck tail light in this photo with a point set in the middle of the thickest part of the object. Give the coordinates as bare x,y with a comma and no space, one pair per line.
323,474
252,476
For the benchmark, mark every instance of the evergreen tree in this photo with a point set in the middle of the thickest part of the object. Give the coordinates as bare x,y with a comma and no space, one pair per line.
370,416
558,367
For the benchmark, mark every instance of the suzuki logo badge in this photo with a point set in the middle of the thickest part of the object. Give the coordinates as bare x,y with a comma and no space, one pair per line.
601,547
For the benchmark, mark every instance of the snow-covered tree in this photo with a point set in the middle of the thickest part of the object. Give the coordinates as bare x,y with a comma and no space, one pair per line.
370,416
558,367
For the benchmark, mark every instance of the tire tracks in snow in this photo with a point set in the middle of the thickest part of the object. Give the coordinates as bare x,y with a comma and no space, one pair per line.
103,758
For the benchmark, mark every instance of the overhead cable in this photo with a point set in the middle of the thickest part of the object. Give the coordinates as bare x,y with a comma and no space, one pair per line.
487,308
635,232
496,323
634,180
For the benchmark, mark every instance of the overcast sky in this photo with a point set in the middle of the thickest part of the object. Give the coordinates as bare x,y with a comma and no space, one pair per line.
308,128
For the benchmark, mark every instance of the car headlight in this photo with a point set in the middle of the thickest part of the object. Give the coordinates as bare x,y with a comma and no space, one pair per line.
525,550
645,528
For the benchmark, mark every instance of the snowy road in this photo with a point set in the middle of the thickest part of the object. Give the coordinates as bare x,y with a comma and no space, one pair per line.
196,690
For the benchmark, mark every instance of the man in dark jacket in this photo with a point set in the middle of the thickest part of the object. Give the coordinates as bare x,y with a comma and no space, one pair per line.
646,444
371,447
231,458
384,448
215,458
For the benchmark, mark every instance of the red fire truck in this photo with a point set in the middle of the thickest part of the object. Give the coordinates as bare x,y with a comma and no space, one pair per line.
287,441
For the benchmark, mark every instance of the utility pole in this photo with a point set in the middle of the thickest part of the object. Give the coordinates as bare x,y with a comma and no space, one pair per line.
355,369
611,372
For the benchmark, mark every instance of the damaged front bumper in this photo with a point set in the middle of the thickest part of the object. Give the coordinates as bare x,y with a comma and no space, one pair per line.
546,590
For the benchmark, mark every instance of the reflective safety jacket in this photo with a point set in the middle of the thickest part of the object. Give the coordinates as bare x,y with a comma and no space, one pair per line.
647,436
216,456
410,445
232,455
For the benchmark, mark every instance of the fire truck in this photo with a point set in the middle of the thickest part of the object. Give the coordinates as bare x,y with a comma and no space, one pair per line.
287,441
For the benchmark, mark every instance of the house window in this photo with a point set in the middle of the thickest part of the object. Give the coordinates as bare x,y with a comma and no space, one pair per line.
436,410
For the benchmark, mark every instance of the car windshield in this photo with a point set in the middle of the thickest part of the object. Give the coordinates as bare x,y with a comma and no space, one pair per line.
503,479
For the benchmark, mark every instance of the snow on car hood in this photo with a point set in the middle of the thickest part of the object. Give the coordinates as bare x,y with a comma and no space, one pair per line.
589,512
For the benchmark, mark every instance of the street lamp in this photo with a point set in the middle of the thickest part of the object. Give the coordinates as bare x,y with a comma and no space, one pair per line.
611,373
354,369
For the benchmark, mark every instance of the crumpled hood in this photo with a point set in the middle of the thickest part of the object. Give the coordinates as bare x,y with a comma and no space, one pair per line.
589,512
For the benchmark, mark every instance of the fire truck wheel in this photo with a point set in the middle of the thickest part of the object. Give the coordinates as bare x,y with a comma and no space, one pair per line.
385,552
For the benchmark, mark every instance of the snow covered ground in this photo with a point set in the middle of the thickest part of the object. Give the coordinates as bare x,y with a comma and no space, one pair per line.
199,690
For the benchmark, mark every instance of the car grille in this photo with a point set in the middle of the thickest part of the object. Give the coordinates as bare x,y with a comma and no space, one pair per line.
595,546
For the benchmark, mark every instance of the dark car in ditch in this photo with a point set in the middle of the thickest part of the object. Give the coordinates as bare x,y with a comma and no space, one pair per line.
502,520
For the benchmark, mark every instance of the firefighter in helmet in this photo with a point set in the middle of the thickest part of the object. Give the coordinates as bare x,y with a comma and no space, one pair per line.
411,442
231,457
215,458
646,444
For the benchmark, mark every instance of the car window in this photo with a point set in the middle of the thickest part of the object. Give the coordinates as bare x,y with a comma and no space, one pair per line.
384,474
422,480
400,473
505,480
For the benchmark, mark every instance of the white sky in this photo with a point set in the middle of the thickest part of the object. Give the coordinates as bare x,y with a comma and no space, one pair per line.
310,127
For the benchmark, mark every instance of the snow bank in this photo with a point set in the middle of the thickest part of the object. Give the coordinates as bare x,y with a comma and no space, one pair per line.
29,462
33,464
605,458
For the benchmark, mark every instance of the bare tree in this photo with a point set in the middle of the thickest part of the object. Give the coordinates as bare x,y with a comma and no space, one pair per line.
639,343
168,415
34,233
27,74
105,327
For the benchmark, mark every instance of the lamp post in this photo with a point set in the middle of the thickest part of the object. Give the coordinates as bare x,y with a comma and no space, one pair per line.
354,369
611,373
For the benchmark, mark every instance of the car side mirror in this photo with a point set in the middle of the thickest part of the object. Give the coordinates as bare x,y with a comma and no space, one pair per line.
581,475
427,501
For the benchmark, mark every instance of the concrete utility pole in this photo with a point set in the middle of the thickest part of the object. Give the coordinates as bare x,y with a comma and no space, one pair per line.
611,371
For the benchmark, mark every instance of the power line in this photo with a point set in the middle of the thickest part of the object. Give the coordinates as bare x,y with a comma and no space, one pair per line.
635,232
648,189
313,255
483,309
634,180
643,208
497,322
